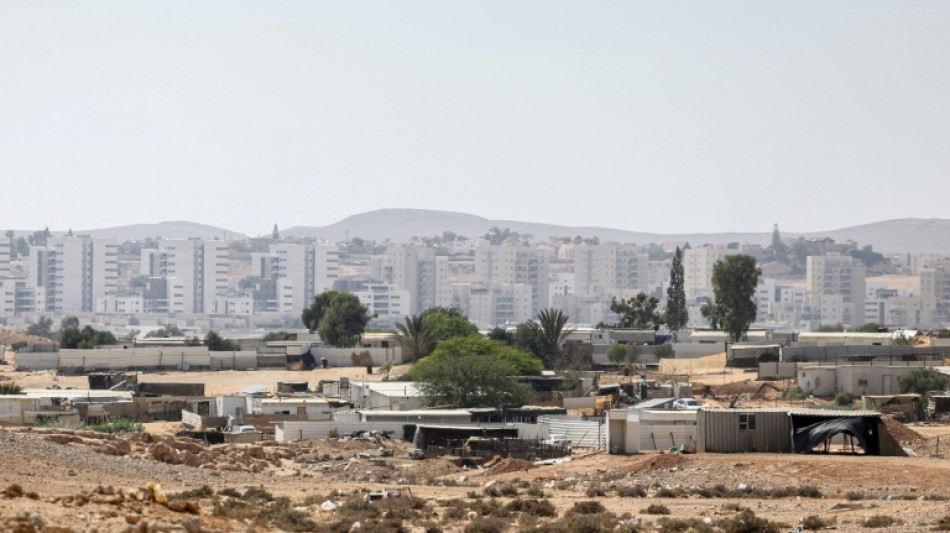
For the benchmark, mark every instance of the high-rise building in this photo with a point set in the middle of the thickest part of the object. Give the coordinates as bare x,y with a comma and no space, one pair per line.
835,288
195,272
300,271
698,266
935,292
409,267
4,257
514,264
606,268
72,273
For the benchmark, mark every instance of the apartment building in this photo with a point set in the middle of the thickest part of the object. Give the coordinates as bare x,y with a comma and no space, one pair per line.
835,289
490,305
195,272
5,251
560,284
513,264
389,303
935,292
698,266
71,273
300,271
606,268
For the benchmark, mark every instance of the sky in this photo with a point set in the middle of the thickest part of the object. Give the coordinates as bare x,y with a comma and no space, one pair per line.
667,117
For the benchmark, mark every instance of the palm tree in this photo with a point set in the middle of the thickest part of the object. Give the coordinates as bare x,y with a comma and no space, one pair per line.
551,331
414,337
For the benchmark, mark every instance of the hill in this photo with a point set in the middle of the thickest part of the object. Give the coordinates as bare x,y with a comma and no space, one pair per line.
178,229
901,235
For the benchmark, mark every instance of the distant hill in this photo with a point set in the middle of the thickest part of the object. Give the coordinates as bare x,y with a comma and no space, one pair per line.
902,235
178,229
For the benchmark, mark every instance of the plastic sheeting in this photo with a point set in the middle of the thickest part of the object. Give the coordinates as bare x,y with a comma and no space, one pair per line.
862,429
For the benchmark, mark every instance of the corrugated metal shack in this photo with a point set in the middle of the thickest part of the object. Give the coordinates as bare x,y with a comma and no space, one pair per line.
772,430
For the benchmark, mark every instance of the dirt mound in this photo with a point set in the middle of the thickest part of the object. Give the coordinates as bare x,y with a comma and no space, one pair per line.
899,431
506,466
9,337
661,461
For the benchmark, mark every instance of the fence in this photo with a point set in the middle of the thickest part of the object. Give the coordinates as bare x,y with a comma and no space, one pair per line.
583,433
147,358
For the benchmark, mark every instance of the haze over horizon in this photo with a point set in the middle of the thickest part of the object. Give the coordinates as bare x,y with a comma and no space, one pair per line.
655,117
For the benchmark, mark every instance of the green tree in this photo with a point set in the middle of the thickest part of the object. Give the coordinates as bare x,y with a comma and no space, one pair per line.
442,323
164,332
543,336
521,363
501,335
734,281
87,338
676,315
413,337
43,327
498,236
624,353
636,312
921,381
22,247
712,313
279,336
871,327
471,381
338,317
217,343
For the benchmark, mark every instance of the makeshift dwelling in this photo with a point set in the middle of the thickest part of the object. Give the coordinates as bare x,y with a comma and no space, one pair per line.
425,435
779,430
904,407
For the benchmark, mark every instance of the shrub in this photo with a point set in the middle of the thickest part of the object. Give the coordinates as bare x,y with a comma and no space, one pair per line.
681,525
844,399
587,507
854,495
656,508
943,524
881,521
194,494
489,524
10,388
747,522
635,491
816,522
532,507
333,434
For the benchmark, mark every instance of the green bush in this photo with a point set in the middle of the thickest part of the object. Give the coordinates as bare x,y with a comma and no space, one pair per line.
881,521
844,399
657,508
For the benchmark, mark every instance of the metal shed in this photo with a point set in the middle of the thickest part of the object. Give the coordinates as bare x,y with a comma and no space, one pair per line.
773,430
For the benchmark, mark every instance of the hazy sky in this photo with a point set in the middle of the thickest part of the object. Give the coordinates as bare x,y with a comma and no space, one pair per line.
652,116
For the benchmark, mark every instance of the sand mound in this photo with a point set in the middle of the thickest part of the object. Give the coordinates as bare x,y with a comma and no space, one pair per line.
510,465
899,431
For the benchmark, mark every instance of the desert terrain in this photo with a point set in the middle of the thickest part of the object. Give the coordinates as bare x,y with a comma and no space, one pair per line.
59,480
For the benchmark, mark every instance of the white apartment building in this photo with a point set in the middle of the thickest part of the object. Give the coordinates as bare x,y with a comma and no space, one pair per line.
765,296
606,268
835,289
4,258
410,267
560,284
73,273
514,264
121,304
698,266
300,271
488,306
935,293
434,283
196,272
389,303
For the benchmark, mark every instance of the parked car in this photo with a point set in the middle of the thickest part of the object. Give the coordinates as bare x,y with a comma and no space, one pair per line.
246,429
688,404
559,440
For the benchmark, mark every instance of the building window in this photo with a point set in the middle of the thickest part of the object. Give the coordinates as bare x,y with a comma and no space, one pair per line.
862,383
746,422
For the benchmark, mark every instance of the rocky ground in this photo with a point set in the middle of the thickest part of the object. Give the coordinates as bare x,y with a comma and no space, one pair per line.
57,480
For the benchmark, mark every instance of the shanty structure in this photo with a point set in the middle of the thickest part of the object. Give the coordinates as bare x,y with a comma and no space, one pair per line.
777,430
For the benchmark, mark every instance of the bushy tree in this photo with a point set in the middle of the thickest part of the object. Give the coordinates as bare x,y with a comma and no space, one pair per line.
921,381
279,336
502,335
519,362
217,343
443,323
338,317
734,281
164,332
624,353
87,338
636,312
43,327
676,315
470,381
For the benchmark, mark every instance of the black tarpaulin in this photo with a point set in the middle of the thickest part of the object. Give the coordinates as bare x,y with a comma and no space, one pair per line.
862,429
